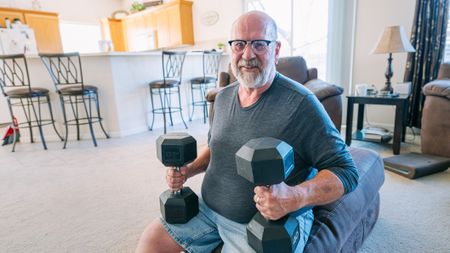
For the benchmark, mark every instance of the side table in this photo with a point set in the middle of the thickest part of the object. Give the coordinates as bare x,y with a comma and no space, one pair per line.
401,107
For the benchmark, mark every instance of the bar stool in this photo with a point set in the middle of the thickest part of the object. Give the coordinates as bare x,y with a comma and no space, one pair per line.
200,85
67,75
172,66
15,86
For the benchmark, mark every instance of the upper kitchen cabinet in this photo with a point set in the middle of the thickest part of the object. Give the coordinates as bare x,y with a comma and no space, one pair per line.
165,26
44,24
174,24
46,31
138,34
113,29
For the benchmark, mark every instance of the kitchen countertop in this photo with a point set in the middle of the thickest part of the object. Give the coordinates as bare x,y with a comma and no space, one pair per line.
149,53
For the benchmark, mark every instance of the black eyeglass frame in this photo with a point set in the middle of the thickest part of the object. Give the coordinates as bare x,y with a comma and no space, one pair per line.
268,42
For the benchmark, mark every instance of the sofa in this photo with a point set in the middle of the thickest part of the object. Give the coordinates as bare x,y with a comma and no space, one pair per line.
296,69
343,225
435,129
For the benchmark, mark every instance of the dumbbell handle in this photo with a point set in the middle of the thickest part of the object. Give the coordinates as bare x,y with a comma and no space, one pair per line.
177,192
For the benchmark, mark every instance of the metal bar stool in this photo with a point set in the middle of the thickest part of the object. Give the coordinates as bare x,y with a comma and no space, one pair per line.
67,75
172,66
15,86
200,85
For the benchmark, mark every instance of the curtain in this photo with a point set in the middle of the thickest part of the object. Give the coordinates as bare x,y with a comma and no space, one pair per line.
428,35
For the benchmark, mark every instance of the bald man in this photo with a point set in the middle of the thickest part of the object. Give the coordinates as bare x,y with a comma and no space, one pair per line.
262,103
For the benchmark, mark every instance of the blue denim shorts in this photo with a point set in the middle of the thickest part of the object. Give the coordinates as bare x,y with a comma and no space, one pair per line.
204,232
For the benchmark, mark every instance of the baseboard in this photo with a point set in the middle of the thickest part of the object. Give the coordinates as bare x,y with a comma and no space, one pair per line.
137,130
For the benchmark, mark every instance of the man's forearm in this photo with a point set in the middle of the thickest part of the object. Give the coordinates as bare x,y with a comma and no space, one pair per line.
324,188
200,164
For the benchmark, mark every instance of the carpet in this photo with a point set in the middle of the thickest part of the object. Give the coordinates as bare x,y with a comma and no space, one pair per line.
87,199
414,214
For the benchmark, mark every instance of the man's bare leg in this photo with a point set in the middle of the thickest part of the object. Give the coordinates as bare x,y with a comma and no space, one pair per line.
155,239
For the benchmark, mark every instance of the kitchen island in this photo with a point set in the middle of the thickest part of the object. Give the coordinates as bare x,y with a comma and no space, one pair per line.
122,79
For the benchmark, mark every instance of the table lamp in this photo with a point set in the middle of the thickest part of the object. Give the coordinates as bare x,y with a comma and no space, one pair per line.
392,40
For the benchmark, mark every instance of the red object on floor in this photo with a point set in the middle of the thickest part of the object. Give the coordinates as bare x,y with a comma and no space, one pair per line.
9,135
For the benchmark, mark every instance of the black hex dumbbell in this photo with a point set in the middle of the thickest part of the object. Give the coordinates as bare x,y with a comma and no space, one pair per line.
264,162
176,150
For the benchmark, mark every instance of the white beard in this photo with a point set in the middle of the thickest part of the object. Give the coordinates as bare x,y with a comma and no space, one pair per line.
253,80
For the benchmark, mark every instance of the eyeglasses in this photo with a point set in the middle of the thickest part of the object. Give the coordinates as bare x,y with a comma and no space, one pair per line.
258,46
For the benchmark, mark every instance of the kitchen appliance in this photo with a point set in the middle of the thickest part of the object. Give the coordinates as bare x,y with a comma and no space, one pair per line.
17,41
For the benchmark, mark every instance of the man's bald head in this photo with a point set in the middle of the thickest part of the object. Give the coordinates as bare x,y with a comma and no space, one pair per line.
255,49
254,21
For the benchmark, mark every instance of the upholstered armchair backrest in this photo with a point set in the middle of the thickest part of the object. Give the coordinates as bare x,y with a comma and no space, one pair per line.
295,68
435,129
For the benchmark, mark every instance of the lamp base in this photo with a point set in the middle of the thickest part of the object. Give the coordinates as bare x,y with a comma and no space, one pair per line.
387,88
389,73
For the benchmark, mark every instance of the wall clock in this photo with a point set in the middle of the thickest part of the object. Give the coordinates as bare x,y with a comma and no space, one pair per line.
210,18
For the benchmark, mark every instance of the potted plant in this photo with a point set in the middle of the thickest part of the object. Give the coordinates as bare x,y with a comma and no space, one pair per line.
137,6
220,46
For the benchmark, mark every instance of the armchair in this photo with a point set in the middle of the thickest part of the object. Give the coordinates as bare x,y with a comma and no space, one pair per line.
435,132
295,68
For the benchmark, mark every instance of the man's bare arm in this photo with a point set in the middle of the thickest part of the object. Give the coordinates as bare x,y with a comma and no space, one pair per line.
281,199
200,164
175,179
324,188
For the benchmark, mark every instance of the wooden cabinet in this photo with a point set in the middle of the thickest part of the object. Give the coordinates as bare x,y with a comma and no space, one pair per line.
174,24
130,34
165,26
113,29
162,28
184,23
44,24
137,33
46,31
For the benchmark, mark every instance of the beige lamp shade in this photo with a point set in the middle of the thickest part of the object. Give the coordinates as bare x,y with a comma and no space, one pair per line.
393,40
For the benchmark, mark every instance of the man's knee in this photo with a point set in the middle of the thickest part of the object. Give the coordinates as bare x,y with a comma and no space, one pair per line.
156,239
153,231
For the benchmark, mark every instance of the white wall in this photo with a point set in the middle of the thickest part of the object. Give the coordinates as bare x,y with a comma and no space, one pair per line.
371,18
83,11
228,11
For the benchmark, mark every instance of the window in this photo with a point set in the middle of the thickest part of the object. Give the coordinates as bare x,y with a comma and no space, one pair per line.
78,37
302,28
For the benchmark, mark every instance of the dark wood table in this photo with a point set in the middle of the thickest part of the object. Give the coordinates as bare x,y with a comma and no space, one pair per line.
401,107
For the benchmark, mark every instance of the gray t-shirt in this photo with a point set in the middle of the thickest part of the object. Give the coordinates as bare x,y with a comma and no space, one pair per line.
287,111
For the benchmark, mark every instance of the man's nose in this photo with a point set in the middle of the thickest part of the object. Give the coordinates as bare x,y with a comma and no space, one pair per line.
248,52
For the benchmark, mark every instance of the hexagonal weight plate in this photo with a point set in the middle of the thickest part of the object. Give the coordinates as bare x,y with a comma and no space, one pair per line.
178,208
176,149
265,161
266,236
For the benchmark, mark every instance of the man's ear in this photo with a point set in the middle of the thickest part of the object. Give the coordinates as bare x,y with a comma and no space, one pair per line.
277,51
